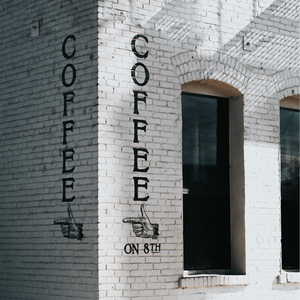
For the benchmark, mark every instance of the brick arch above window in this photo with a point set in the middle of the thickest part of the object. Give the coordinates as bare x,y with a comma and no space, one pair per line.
287,83
191,66
211,87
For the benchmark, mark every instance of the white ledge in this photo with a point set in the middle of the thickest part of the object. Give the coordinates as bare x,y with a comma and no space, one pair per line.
205,280
289,277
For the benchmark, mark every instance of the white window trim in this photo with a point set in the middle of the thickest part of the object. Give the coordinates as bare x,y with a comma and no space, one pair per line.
288,277
213,280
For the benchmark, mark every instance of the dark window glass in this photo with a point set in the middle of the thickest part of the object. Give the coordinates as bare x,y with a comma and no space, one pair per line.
206,206
289,144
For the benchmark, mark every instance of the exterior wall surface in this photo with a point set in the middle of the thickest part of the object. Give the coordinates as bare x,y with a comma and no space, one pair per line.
116,144
233,48
36,261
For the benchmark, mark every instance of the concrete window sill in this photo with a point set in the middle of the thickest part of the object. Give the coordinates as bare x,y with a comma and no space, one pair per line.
289,277
205,280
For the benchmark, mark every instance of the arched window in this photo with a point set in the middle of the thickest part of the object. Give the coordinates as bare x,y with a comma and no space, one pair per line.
289,145
213,178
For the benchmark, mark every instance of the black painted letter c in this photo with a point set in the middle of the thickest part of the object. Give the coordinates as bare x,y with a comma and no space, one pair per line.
64,47
145,55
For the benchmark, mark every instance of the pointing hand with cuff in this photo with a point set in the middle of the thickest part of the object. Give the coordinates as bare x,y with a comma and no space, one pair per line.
142,226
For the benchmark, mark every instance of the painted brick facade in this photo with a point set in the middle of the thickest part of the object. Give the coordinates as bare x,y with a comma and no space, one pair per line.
36,261
126,133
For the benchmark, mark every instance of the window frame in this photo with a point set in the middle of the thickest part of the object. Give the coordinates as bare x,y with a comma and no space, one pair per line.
288,104
217,257
236,159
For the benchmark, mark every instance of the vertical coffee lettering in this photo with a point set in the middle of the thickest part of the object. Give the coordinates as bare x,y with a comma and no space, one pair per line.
65,186
145,55
137,185
66,99
68,125
136,99
63,76
65,55
136,156
65,129
146,75
65,157
136,128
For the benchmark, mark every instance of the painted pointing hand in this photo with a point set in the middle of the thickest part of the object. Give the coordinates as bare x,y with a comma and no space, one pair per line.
142,227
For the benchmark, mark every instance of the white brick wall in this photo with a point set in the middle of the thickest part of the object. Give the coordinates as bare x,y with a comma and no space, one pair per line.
37,262
187,41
